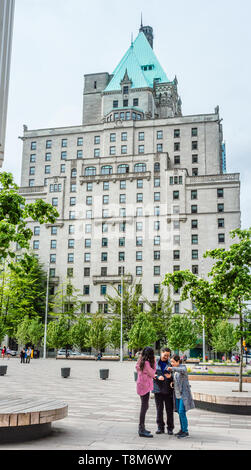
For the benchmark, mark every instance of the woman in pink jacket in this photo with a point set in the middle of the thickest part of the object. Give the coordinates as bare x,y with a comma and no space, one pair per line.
146,368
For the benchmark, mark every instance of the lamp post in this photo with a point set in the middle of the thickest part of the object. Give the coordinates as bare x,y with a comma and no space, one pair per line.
46,309
121,321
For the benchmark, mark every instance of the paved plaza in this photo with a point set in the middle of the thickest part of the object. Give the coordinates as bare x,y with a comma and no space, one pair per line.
103,414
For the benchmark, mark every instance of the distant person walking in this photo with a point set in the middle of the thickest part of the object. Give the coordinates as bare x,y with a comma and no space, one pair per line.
146,368
183,395
3,352
8,352
22,355
28,355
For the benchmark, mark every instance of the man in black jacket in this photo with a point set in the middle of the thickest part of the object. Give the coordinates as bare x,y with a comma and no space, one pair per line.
163,391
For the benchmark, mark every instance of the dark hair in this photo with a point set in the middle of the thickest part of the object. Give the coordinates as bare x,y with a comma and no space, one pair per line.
176,358
166,350
147,355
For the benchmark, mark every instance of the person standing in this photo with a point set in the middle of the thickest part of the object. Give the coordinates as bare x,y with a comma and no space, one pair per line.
3,352
8,352
163,392
183,395
146,368
22,355
28,355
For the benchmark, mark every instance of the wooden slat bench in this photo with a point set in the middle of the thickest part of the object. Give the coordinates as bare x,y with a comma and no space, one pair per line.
27,418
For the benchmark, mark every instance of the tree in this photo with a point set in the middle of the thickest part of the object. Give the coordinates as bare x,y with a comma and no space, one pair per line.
182,333
115,333
14,213
99,334
22,333
2,330
160,314
131,305
59,334
224,337
80,332
142,333
36,331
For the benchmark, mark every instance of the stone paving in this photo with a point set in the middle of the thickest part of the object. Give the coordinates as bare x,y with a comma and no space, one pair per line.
103,414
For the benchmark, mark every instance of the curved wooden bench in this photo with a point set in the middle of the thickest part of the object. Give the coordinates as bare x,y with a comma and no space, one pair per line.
22,419
223,404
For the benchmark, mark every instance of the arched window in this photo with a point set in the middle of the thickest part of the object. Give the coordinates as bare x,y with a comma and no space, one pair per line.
73,172
140,167
156,167
106,170
90,171
123,168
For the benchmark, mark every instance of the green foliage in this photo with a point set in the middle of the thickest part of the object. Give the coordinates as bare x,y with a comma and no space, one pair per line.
115,333
14,213
29,331
80,332
99,333
22,333
160,314
3,330
142,333
224,337
59,333
182,334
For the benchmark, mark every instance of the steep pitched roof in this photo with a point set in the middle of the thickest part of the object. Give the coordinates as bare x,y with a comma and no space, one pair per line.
137,60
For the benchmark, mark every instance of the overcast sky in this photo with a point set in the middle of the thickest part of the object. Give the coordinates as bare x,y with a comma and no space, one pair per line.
206,43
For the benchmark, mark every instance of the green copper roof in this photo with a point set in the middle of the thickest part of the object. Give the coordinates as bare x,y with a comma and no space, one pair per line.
141,64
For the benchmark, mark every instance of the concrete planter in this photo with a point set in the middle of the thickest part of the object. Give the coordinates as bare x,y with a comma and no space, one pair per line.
65,372
104,373
3,370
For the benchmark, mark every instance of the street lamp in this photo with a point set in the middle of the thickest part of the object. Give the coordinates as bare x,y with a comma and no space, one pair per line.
46,309
121,321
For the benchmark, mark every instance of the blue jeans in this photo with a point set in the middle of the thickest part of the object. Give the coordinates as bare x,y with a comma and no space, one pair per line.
182,414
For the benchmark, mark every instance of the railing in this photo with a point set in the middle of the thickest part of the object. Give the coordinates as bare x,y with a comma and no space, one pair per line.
111,279
115,176
32,189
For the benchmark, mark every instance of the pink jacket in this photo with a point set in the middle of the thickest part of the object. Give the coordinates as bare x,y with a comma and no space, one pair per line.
145,378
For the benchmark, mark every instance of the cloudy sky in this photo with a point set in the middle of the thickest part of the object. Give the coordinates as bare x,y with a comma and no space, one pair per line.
206,43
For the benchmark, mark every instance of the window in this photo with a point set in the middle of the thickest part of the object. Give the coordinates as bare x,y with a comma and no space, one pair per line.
195,171
87,272
123,136
52,272
139,241
87,257
194,209
124,149
141,149
156,255
88,228
125,103
69,272
176,240
54,201
194,158
121,256
139,197
139,212
195,269
156,182
139,183
194,194
122,198
86,290
176,307
48,156
122,184
221,238
194,132
104,227
53,258
176,254
139,255
194,254
176,133
96,152
220,207
97,139
71,229
135,101
88,243
80,141
194,239
113,137
139,226
64,143
106,199
73,188
122,227
62,168
37,230
103,289
194,145
72,215
112,150
33,158
141,136
32,170
33,145
125,90
176,268
36,245
156,240
139,271
47,169
54,230
194,223
106,170
88,214
176,224
140,168
176,146
124,168
159,148
70,258
48,144
88,200
221,223
156,167
156,288
63,155
177,159
103,271
106,185
105,213
176,209
159,134
156,270
79,153
90,171
220,192
122,212
176,194
104,256
115,104
71,243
